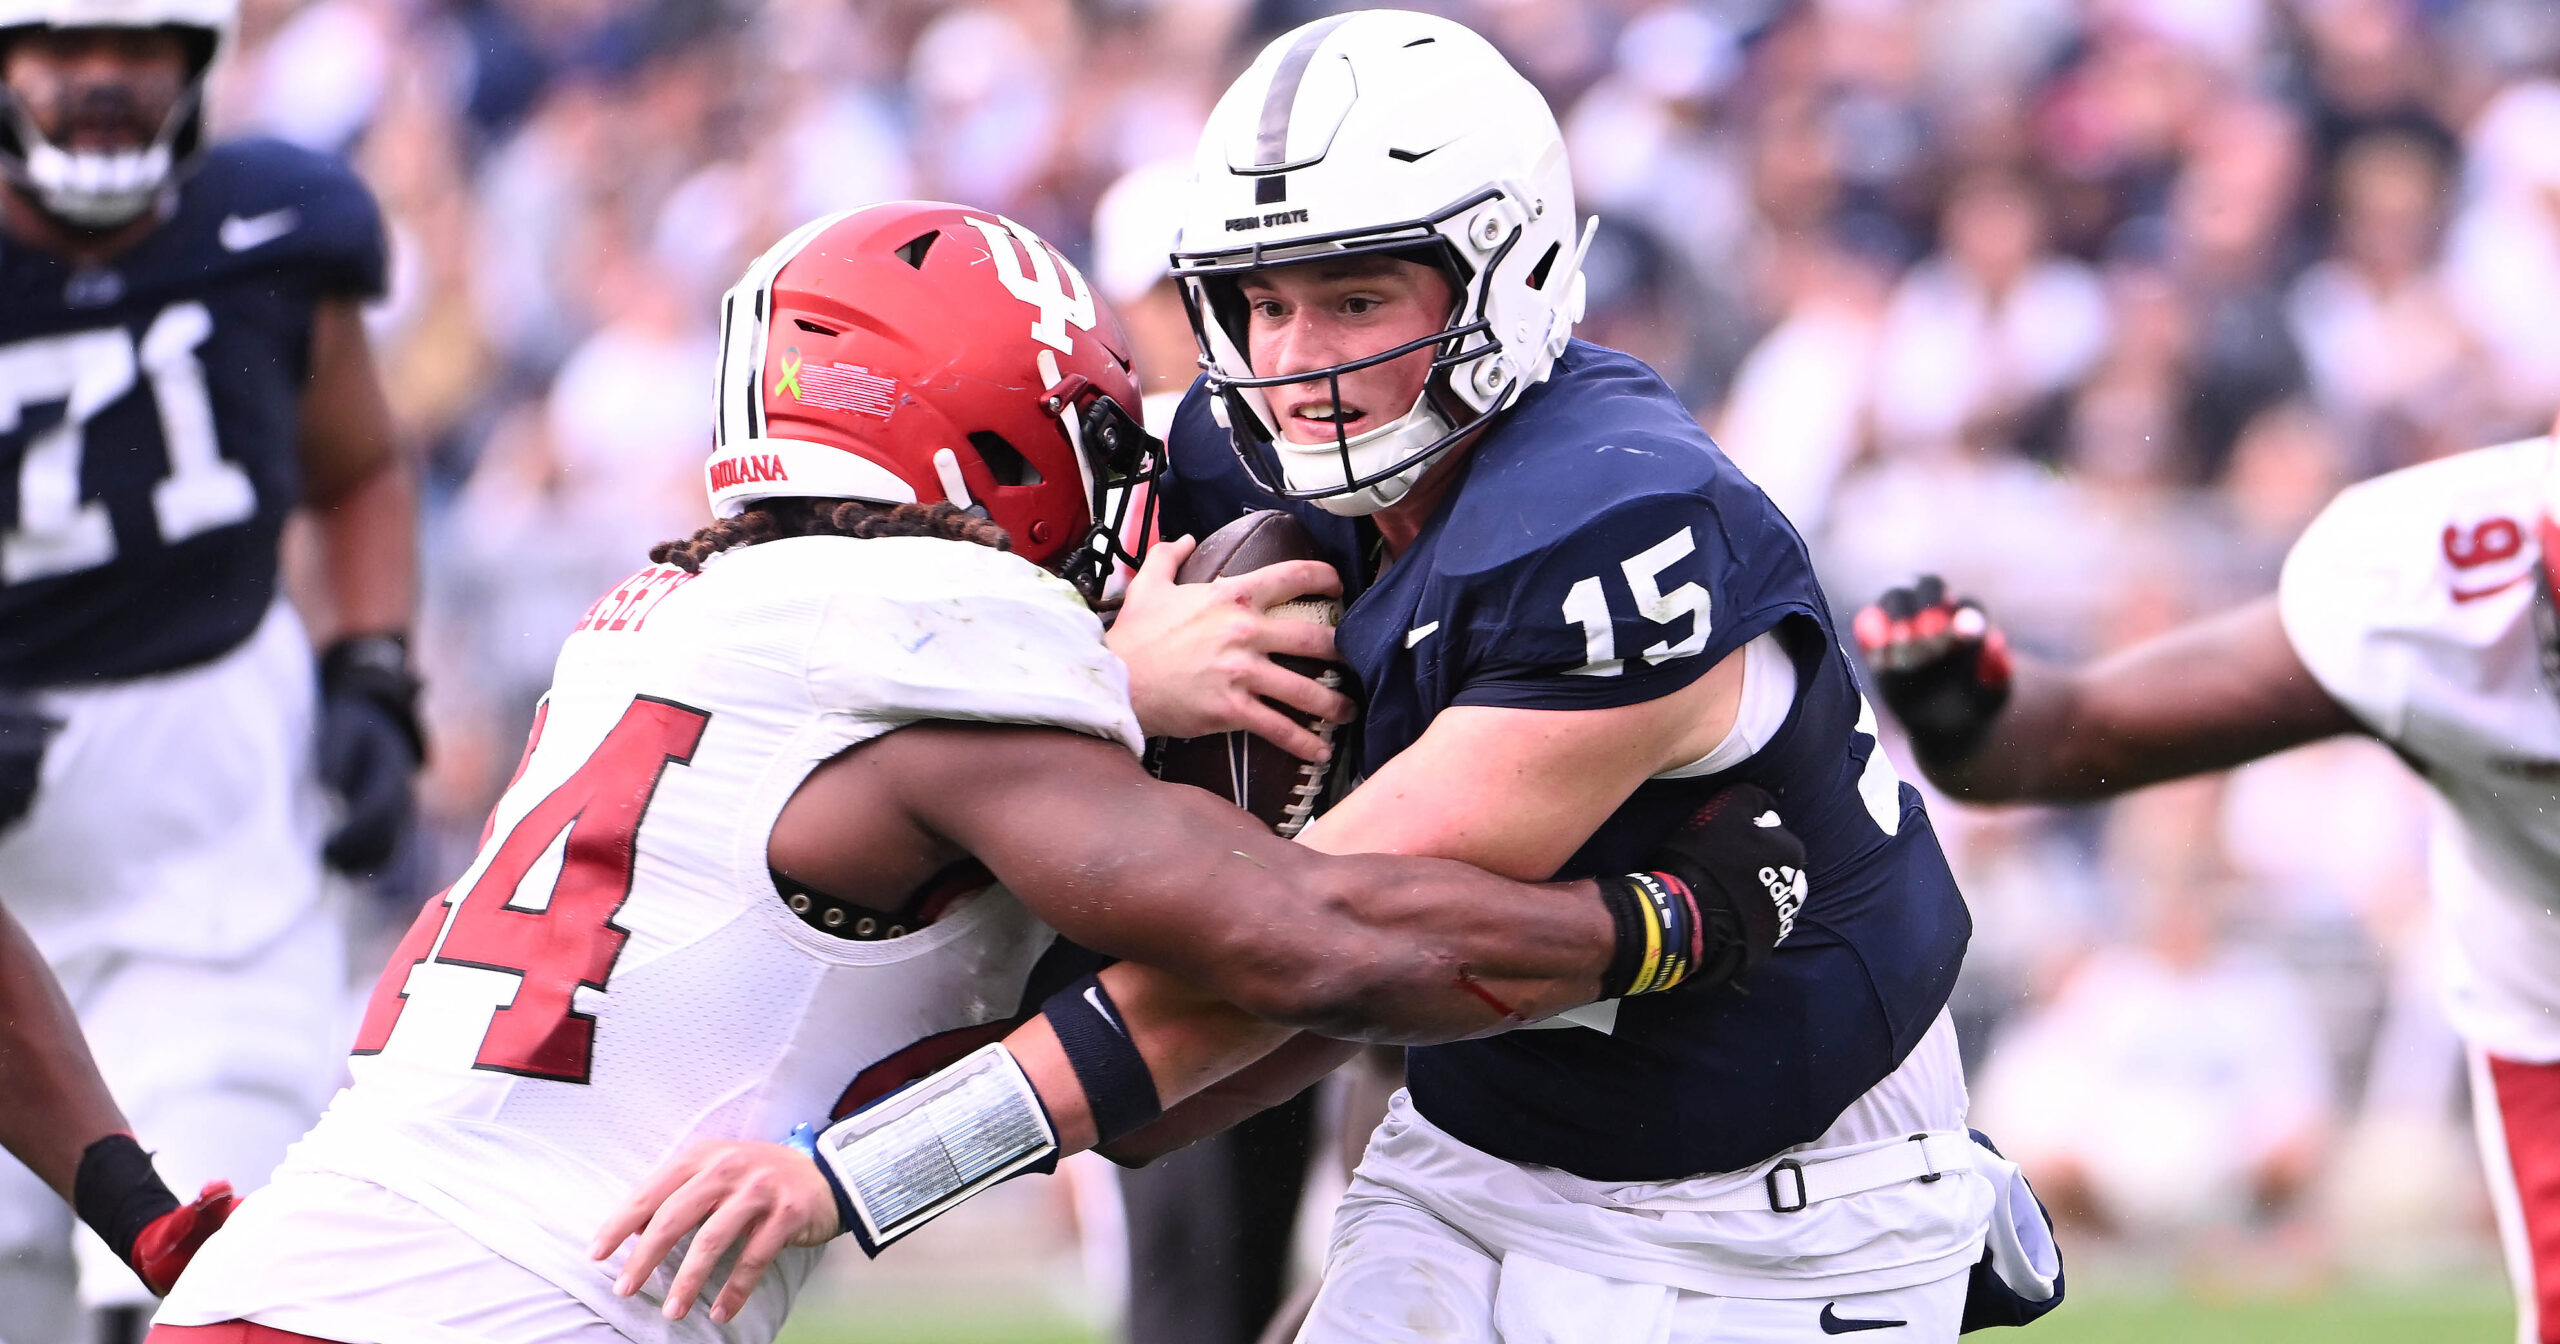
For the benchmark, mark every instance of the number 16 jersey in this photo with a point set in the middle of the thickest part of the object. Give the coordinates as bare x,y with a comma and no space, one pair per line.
615,975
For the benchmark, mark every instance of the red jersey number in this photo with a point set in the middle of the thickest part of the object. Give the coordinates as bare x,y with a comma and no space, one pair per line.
572,940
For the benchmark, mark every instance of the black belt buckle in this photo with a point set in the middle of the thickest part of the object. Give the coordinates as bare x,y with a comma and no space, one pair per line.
1778,1205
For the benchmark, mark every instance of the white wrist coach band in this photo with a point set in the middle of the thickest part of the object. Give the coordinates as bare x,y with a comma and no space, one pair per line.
906,1158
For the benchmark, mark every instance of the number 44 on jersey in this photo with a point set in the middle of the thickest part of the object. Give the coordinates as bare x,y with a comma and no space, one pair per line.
496,970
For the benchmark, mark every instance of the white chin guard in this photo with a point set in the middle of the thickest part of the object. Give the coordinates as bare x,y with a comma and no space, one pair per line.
94,189
906,1158
1319,466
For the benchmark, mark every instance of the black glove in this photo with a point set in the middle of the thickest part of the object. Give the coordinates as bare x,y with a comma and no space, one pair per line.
24,730
370,747
1736,878
1940,664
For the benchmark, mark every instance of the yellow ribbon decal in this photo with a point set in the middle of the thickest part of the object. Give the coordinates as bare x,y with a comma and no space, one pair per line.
790,374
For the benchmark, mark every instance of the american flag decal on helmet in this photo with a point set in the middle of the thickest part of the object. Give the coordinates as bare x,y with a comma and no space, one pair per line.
846,387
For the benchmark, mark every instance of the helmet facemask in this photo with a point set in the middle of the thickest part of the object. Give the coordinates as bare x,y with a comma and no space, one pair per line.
1122,463
1356,474
96,190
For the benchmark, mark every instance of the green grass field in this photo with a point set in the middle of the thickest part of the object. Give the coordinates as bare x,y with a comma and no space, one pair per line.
2466,1314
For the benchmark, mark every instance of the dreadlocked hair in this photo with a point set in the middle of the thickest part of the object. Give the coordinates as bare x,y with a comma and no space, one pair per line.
777,519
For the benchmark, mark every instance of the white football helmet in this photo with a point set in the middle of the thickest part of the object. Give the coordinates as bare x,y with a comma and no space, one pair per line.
96,189
1383,131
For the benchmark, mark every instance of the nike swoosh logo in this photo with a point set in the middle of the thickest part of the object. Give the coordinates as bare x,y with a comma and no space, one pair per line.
239,233
2475,594
1093,996
1419,633
1833,1323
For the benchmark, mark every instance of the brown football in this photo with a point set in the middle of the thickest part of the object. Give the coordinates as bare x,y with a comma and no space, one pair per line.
1262,779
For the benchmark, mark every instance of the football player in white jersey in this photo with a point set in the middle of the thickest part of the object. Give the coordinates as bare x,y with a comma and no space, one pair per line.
2417,609
808,813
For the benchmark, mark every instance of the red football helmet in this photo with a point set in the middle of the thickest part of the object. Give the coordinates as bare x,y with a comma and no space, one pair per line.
918,352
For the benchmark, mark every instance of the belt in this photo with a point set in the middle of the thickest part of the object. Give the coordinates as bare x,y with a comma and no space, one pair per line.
1790,1184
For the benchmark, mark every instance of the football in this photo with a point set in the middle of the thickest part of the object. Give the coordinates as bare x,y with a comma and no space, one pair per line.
1273,785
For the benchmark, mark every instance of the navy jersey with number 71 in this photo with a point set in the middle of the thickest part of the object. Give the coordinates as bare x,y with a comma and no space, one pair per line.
148,412
1599,550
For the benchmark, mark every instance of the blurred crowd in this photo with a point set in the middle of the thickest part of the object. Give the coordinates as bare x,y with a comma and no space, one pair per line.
2088,305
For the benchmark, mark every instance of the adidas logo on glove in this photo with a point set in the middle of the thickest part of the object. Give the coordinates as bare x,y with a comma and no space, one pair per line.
1786,887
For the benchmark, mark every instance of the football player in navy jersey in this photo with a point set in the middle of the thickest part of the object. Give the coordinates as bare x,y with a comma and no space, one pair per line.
1572,618
182,365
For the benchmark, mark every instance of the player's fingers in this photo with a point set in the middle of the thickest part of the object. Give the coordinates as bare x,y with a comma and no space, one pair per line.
1299,692
1274,584
677,1215
1298,639
1871,626
636,1211
764,1245
1283,732
736,1218
1162,559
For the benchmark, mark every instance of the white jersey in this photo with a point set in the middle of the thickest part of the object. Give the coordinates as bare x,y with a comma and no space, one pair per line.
615,976
2413,600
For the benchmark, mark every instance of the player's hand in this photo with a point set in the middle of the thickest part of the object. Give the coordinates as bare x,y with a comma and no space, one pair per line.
1941,665
1747,873
162,1250
24,729
1200,654
758,1196
370,747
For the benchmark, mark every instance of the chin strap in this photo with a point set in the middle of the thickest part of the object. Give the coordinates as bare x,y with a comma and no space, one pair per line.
94,189
1308,466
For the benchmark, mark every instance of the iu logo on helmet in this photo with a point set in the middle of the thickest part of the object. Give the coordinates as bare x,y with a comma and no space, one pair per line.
1049,284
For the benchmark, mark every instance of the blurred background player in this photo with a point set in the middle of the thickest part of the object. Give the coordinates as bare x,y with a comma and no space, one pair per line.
2418,609
1571,620
811,810
183,365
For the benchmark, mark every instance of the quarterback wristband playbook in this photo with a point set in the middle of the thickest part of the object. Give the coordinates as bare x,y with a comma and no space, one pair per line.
118,1193
1660,936
899,1163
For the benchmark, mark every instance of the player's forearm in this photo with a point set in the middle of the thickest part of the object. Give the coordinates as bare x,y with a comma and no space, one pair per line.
1411,951
2208,696
369,550
57,1104
1189,1040
1295,1066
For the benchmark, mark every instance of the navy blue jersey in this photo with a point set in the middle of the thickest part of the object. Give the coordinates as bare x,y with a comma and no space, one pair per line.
1600,551
148,409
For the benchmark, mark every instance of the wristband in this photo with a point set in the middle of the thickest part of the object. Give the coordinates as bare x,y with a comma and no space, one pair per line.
900,1162
804,1138
117,1193
1118,1088
376,668
1660,935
